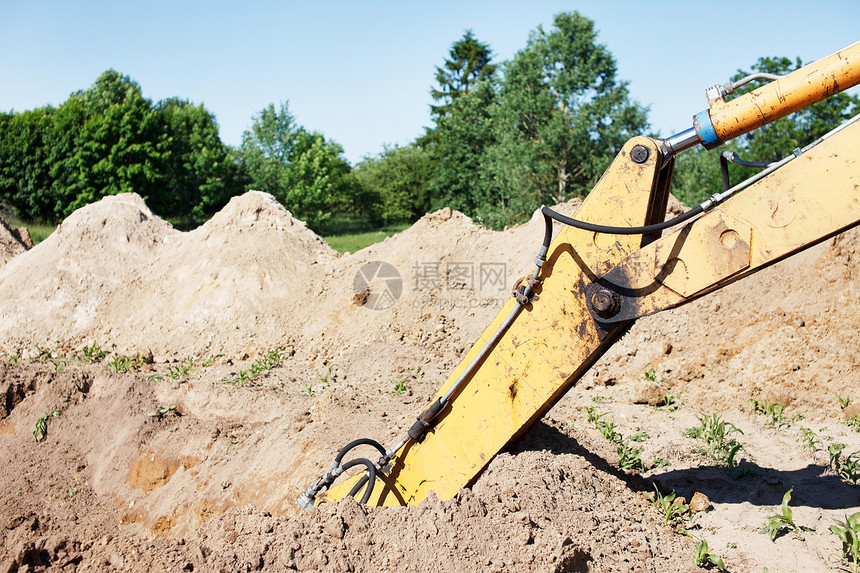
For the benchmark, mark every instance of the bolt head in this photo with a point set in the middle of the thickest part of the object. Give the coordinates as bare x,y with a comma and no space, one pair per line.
605,303
639,154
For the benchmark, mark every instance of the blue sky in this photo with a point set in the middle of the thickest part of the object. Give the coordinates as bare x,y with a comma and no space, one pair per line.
361,72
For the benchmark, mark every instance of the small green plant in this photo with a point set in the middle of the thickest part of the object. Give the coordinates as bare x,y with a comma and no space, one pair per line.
327,377
808,441
41,431
848,532
40,353
270,360
772,411
59,364
601,399
182,369
705,559
399,387
848,468
660,463
308,391
122,364
668,399
843,402
90,354
14,358
669,505
593,416
715,433
835,451
607,428
853,422
784,523
629,458
165,409
640,437
210,361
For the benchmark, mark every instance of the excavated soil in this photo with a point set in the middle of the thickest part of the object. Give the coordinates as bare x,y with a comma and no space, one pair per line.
182,464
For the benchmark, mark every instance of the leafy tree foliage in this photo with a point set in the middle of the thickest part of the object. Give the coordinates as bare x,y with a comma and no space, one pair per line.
24,175
109,139
301,168
697,175
318,182
267,148
200,173
120,148
395,184
468,64
462,139
563,112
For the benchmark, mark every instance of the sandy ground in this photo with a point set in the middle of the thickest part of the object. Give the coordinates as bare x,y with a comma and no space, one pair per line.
184,463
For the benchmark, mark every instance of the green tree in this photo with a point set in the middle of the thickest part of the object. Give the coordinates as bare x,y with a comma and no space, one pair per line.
697,175
110,139
563,115
468,64
24,172
397,182
121,148
463,135
300,168
317,182
199,173
267,148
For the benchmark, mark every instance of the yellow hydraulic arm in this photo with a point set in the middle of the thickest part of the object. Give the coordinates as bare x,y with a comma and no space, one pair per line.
608,267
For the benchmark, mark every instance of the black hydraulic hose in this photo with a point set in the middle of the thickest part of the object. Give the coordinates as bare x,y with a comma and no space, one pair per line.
645,229
354,444
371,469
371,476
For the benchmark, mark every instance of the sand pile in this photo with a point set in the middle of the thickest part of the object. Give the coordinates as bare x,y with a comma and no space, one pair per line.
116,275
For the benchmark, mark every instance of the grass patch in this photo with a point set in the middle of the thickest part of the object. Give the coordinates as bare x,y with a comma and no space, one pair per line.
353,242
347,232
38,231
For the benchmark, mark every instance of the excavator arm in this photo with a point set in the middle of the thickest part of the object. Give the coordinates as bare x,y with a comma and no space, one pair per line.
610,266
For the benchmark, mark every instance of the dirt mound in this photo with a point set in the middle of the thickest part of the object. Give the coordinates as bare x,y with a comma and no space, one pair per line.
116,275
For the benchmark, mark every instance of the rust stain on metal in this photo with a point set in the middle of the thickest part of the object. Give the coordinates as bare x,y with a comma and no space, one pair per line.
513,388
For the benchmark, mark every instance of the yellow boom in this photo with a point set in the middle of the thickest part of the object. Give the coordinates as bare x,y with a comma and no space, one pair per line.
609,267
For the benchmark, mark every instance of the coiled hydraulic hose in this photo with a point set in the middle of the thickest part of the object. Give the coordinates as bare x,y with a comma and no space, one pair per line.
306,500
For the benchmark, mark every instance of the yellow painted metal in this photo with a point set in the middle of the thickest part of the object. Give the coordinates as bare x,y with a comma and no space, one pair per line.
786,95
548,347
815,196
